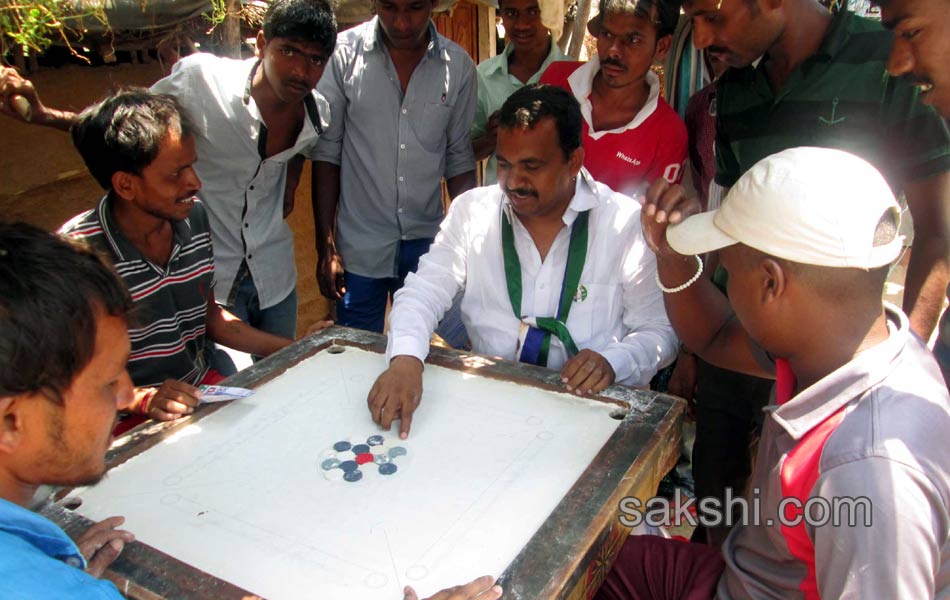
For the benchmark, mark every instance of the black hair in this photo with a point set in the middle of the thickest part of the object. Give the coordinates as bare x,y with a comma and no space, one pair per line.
301,20
123,131
664,14
526,107
51,291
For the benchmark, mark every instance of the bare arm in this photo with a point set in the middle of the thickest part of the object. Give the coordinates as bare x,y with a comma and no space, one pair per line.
700,314
228,330
484,145
928,272
11,85
461,183
325,195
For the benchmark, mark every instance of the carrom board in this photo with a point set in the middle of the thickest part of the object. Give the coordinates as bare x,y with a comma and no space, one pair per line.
294,492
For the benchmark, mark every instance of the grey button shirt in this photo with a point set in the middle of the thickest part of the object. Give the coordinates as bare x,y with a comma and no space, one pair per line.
393,150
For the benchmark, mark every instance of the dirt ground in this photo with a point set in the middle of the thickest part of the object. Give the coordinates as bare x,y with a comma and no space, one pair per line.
44,181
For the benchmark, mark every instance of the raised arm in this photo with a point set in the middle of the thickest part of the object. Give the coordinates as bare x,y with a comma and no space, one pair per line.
701,316
13,85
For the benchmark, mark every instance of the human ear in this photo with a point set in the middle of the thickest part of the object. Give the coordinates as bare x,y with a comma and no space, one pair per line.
123,184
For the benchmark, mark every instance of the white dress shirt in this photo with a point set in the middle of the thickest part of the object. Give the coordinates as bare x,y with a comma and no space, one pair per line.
621,315
242,190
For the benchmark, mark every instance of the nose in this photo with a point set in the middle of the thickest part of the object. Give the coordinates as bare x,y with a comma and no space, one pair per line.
193,181
702,34
125,392
901,60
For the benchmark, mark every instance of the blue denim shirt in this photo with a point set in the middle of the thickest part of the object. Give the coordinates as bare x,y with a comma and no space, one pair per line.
38,560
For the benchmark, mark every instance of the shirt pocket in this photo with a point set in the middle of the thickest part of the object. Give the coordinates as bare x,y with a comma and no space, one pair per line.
594,313
431,131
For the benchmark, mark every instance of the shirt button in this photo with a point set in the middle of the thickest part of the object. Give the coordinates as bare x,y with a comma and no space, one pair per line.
246,225
401,178
250,256
74,561
252,187
399,211
402,146
541,286
404,111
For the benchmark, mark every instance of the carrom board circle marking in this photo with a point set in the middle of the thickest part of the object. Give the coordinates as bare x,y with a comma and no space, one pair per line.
170,499
172,480
545,435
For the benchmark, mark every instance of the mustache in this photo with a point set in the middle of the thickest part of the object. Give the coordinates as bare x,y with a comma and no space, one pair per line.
613,62
520,192
917,79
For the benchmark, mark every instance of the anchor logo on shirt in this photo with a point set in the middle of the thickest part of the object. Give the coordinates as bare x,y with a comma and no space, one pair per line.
834,110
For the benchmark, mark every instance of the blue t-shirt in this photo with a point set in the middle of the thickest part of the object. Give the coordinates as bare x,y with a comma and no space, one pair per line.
38,560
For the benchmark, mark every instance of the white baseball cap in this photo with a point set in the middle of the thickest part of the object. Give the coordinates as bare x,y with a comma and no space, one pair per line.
814,206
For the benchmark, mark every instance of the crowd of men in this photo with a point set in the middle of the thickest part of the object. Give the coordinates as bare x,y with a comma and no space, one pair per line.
581,253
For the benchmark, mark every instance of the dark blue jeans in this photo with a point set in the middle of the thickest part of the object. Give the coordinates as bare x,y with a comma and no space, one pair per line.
364,304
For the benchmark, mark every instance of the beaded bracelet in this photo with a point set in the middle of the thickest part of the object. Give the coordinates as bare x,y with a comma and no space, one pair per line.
680,288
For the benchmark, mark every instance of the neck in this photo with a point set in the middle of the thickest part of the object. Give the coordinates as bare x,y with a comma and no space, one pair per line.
530,56
419,47
15,491
138,226
263,93
627,99
808,22
839,341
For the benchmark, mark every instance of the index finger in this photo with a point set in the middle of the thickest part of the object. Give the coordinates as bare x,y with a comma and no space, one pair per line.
405,422
182,392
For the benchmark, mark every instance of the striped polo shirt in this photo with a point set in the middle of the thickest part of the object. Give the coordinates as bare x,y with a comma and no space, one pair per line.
167,325
841,97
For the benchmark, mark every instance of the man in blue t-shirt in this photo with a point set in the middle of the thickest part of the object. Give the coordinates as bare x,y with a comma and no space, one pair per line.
64,344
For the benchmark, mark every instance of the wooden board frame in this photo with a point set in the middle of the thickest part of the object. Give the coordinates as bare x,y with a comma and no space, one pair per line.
566,558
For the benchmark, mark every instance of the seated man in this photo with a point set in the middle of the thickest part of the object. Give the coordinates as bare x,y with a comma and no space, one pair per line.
63,350
551,264
631,135
140,147
807,236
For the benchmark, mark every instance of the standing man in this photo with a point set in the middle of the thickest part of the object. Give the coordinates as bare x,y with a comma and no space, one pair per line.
530,50
921,52
402,99
64,343
631,135
551,266
821,81
253,117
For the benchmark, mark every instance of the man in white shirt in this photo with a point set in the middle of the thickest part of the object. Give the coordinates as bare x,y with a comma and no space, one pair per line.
551,264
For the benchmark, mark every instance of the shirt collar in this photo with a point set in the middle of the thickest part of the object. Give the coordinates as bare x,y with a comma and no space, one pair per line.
502,64
813,405
836,37
373,37
121,246
40,532
582,81
586,197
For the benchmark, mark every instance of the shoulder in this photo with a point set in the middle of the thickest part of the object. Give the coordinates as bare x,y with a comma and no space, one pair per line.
82,225
454,52
559,70
669,118
489,65
616,207
900,419
477,202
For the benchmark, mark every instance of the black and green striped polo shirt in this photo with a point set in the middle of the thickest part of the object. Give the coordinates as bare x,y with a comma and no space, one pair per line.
841,97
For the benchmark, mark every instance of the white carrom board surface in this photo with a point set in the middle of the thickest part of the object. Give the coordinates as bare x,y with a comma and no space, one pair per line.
241,494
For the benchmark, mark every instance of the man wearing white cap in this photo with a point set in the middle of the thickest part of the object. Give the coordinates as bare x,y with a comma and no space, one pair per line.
850,492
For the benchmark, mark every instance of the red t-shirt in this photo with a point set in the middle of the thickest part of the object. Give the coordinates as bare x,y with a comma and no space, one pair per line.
630,159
